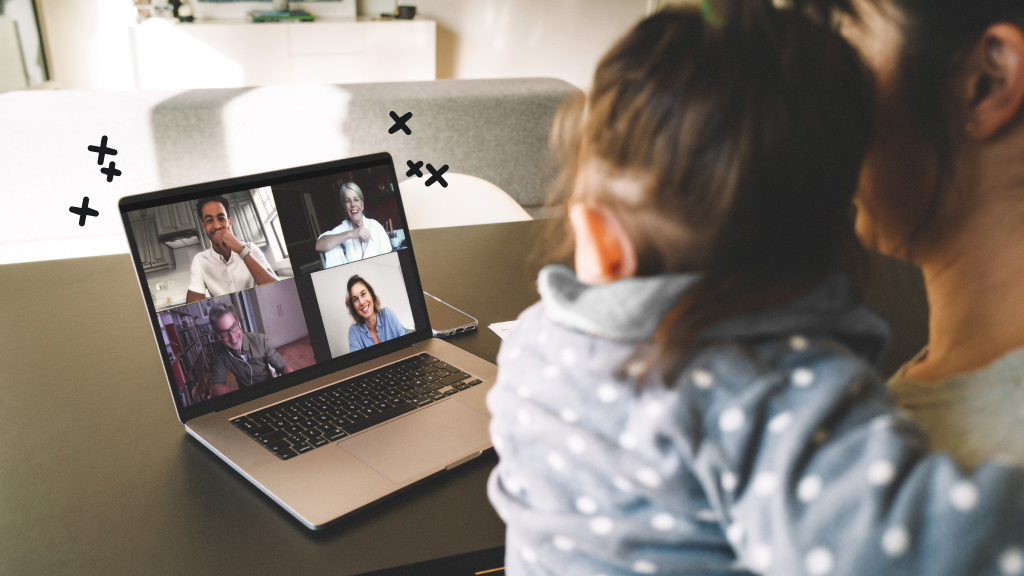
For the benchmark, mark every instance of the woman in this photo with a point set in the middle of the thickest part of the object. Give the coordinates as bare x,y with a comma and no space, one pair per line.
373,323
357,236
943,188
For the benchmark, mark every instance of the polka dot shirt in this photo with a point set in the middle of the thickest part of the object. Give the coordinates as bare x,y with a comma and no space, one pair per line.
776,452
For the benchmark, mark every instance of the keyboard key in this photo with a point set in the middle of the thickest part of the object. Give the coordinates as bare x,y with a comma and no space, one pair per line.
410,395
302,447
440,373
365,402
460,385
355,416
435,395
327,428
286,453
422,390
279,445
428,369
377,397
379,387
370,411
350,408
448,391
295,418
378,418
324,418
420,401
277,414
307,424
310,434
242,423
346,420
474,382
310,414
449,380
435,385
307,404
382,406
262,431
272,437
294,429
290,409
318,441
279,424
336,435
393,393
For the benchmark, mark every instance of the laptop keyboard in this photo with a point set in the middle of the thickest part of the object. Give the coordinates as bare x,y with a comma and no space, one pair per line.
298,425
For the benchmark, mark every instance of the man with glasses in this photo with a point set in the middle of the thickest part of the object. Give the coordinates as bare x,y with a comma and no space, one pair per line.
247,355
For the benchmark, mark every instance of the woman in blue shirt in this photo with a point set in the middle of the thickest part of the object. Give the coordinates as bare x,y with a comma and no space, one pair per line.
373,323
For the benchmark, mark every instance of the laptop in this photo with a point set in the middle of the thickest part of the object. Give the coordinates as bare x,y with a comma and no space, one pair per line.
321,384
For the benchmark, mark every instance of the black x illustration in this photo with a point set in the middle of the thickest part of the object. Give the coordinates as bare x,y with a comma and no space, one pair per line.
435,175
414,168
400,123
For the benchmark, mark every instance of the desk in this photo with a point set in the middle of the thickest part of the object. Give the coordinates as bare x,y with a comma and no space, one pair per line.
98,477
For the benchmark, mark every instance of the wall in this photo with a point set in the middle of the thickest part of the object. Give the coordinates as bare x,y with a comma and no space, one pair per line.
523,38
87,42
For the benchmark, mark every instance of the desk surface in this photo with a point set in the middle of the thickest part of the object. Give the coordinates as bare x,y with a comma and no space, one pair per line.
99,477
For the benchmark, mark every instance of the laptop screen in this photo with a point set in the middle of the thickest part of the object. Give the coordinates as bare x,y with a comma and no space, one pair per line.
257,283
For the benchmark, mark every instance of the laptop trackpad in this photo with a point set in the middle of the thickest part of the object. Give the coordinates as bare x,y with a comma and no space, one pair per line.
422,441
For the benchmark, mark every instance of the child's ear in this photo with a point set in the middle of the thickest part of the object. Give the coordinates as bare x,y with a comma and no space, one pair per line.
995,81
604,252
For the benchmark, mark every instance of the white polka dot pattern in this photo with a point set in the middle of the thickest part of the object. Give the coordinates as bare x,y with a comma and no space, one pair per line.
729,481
564,544
761,557
895,541
556,461
765,483
568,357
528,555
706,516
964,496
734,533
602,525
523,417
576,444
622,484
644,567
648,477
586,505
802,377
607,393
881,472
819,562
702,379
568,415
550,372
780,422
809,488
524,392
627,441
515,353
663,522
1011,561
731,420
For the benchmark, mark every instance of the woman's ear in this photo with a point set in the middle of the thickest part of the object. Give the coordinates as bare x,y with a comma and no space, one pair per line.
604,252
995,81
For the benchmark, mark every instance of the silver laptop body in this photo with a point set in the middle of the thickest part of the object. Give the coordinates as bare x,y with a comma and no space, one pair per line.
366,415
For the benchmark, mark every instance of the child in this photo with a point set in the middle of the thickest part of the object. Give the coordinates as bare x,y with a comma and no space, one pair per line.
699,397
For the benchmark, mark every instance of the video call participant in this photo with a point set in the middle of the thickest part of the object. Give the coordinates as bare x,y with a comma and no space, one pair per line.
247,355
373,323
357,236
229,265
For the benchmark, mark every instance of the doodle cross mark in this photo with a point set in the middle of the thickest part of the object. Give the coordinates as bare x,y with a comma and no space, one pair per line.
102,150
400,123
414,168
111,171
83,211
435,175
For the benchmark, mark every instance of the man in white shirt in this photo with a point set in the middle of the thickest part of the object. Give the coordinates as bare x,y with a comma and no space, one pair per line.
229,265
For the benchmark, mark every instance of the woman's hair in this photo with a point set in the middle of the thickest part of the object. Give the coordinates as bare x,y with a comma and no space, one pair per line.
341,185
937,37
356,279
746,126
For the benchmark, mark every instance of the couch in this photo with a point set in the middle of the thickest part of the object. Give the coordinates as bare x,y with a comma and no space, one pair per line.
493,130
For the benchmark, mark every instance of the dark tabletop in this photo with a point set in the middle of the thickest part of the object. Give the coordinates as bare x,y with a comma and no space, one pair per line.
97,476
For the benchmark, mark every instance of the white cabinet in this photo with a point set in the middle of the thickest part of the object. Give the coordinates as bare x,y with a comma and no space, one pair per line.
228,54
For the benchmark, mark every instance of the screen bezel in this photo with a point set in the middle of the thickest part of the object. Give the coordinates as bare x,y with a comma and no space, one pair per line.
304,282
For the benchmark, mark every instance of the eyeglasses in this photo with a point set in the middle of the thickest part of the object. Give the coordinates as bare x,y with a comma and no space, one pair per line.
235,329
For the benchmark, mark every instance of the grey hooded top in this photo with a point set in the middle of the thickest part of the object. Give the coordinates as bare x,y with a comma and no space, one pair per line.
778,450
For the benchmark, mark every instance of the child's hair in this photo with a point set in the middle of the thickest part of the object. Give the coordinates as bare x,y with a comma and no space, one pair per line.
746,126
